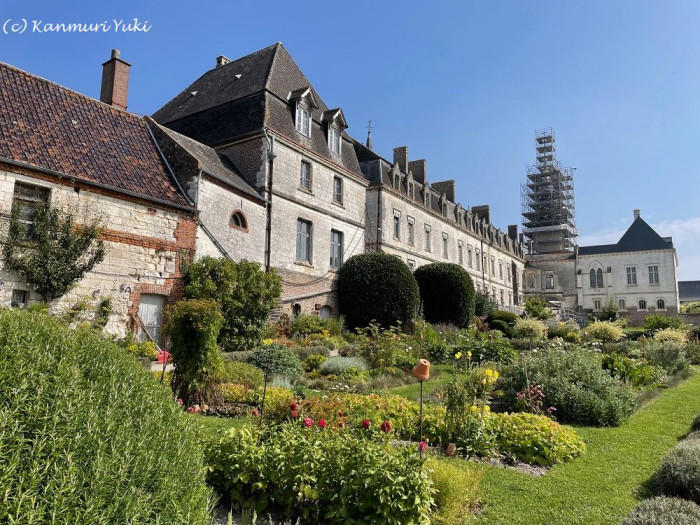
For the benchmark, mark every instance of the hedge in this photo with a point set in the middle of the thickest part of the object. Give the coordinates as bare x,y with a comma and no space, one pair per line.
446,292
379,287
87,435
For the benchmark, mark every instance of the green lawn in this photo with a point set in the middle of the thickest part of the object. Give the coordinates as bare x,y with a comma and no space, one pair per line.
607,481
441,374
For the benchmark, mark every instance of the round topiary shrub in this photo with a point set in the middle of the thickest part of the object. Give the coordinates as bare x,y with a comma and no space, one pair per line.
379,287
679,473
276,360
664,511
447,293
88,436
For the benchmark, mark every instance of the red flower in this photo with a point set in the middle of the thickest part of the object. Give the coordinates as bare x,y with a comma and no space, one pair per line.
340,413
422,446
308,422
255,412
386,427
341,424
293,406
365,423
322,423
180,401
294,414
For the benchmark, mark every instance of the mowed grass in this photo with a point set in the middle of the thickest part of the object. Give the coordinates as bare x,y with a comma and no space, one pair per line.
440,376
605,483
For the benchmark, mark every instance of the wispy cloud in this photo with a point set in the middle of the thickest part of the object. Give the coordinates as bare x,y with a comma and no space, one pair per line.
686,239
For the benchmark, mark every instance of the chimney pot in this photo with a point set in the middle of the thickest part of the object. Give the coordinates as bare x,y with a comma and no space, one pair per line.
115,81
635,213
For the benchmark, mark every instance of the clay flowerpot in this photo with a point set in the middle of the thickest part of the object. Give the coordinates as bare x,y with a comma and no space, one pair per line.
422,370
451,449
196,409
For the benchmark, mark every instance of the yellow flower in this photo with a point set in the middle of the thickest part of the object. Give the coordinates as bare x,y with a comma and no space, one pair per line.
469,354
458,355
268,342
483,381
488,372
487,408
473,408
495,374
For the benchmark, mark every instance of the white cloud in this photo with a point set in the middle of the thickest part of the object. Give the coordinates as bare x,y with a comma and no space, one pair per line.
686,239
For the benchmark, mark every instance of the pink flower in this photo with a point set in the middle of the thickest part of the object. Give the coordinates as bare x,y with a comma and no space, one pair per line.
308,422
422,446
190,410
180,401
322,423
341,424
386,427
294,414
365,423
255,412
293,406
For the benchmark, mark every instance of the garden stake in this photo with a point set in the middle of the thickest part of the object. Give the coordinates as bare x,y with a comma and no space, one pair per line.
421,372
420,432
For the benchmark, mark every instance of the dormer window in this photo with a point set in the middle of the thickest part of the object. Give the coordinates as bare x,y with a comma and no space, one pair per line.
303,120
334,139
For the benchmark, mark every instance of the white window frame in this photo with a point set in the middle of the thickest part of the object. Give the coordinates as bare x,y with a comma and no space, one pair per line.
631,272
334,139
470,258
308,256
654,274
411,231
302,120
597,304
663,304
337,195
309,187
397,225
336,258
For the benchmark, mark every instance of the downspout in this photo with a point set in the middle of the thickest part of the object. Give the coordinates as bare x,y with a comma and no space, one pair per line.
268,205
379,218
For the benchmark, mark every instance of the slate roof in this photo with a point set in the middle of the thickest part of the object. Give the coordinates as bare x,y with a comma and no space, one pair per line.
47,126
246,95
689,291
638,237
218,166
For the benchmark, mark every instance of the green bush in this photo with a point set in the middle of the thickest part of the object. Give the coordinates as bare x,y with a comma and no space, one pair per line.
692,352
81,426
456,490
499,315
501,326
446,292
574,383
237,356
664,511
321,476
193,326
696,424
661,321
313,362
671,334
304,352
244,292
604,331
240,373
637,373
142,349
338,365
668,355
679,473
305,325
483,304
563,330
537,308
377,286
531,329
485,349
276,360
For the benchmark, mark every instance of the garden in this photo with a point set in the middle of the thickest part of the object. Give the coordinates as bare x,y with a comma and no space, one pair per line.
422,403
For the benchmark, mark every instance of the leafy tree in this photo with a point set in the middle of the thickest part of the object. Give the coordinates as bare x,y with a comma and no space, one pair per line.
537,308
53,253
483,304
244,292
447,293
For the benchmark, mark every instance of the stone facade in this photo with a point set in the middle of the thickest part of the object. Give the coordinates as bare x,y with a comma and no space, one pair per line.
145,244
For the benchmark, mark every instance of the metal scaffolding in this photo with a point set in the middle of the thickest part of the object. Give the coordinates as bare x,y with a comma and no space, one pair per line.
547,199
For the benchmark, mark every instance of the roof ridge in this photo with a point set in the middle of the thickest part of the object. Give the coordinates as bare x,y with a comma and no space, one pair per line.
268,74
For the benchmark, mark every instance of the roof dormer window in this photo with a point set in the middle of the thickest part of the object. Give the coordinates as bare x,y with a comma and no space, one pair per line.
334,139
303,120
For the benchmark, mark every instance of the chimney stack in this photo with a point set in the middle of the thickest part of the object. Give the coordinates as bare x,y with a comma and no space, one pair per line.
221,60
115,81
401,157
419,168
447,187
635,213
513,231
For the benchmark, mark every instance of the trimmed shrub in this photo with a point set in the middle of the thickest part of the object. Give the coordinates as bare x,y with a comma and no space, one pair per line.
193,327
679,473
668,355
499,315
313,362
664,511
446,292
604,331
531,329
243,290
338,365
563,330
456,490
321,476
501,326
83,425
696,424
240,373
692,352
661,321
304,352
377,286
237,356
276,360
305,325
574,383
671,334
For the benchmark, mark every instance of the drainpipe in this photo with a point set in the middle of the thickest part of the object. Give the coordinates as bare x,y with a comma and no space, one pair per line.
268,205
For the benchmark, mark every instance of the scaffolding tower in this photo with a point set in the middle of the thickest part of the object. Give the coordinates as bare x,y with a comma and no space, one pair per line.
547,199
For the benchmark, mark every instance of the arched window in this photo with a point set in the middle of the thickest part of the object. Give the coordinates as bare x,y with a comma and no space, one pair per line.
660,304
642,304
599,273
592,278
296,310
238,221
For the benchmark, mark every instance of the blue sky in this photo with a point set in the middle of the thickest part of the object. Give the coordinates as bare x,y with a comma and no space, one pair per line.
463,84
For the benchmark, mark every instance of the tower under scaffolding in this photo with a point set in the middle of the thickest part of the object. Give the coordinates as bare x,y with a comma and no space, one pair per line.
548,200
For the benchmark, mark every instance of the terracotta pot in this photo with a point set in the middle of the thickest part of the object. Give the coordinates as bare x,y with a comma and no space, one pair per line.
422,370
196,409
451,449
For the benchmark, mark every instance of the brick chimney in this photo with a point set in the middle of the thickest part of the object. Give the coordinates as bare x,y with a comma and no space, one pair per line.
115,81
401,157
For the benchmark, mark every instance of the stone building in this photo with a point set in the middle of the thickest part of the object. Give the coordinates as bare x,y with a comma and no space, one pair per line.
94,159
421,223
262,113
